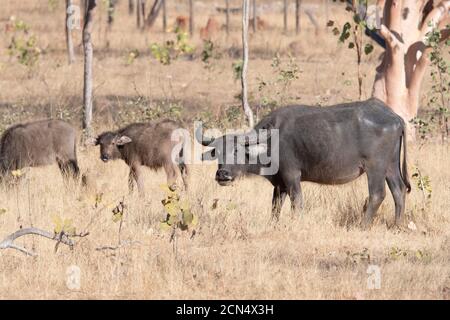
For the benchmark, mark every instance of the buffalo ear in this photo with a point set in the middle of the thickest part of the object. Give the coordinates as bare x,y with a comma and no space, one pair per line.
123,140
92,141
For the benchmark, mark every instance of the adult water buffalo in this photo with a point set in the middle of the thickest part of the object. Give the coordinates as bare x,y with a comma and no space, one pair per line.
149,144
39,143
330,145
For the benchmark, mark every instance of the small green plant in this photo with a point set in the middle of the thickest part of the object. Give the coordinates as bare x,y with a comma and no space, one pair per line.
396,253
63,226
439,95
179,215
274,93
423,128
23,44
237,69
352,32
172,49
423,183
209,52
362,256
53,4
132,56
118,212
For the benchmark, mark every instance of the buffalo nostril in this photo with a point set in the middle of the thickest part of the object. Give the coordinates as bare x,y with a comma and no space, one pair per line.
223,175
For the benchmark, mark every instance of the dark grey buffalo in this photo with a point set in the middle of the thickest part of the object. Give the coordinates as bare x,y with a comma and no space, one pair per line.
149,144
326,145
39,143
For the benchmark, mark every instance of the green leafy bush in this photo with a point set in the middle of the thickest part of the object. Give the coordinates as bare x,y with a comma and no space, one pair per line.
23,45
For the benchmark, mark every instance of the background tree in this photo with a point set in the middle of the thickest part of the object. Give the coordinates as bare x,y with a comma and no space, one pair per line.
70,11
298,5
227,16
88,57
245,20
254,22
191,17
164,8
130,7
406,26
154,12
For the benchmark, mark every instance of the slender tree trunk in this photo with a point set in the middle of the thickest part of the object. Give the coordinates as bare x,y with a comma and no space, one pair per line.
227,16
191,17
285,16
164,8
254,25
88,57
245,19
138,13
143,3
399,77
83,7
69,25
154,12
130,7
298,6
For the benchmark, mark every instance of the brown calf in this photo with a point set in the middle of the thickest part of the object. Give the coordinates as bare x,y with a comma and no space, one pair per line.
144,144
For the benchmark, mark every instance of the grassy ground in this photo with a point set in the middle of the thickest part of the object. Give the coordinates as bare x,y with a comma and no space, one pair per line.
236,252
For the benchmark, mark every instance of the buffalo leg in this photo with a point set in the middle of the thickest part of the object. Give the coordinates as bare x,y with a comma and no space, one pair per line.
184,174
172,172
398,190
377,193
69,169
294,190
295,194
279,195
136,175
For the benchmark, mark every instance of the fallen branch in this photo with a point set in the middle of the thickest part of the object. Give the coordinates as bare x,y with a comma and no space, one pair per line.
8,242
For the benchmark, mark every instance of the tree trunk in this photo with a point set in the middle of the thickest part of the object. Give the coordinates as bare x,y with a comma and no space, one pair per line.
164,8
130,7
143,2
83,7
254,26
285,16
405,25
154,12
69,26
245,19
191,17
138,13
227,16
88,56
298,6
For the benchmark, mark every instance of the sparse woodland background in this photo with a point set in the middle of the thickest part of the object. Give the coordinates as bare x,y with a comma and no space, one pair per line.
236,252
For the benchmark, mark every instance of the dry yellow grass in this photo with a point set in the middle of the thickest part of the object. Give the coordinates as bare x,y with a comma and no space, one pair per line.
236,252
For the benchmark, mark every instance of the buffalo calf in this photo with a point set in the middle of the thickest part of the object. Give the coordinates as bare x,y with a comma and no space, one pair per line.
144,144
39,143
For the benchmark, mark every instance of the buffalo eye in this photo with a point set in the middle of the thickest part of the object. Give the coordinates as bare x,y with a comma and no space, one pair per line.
209,155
